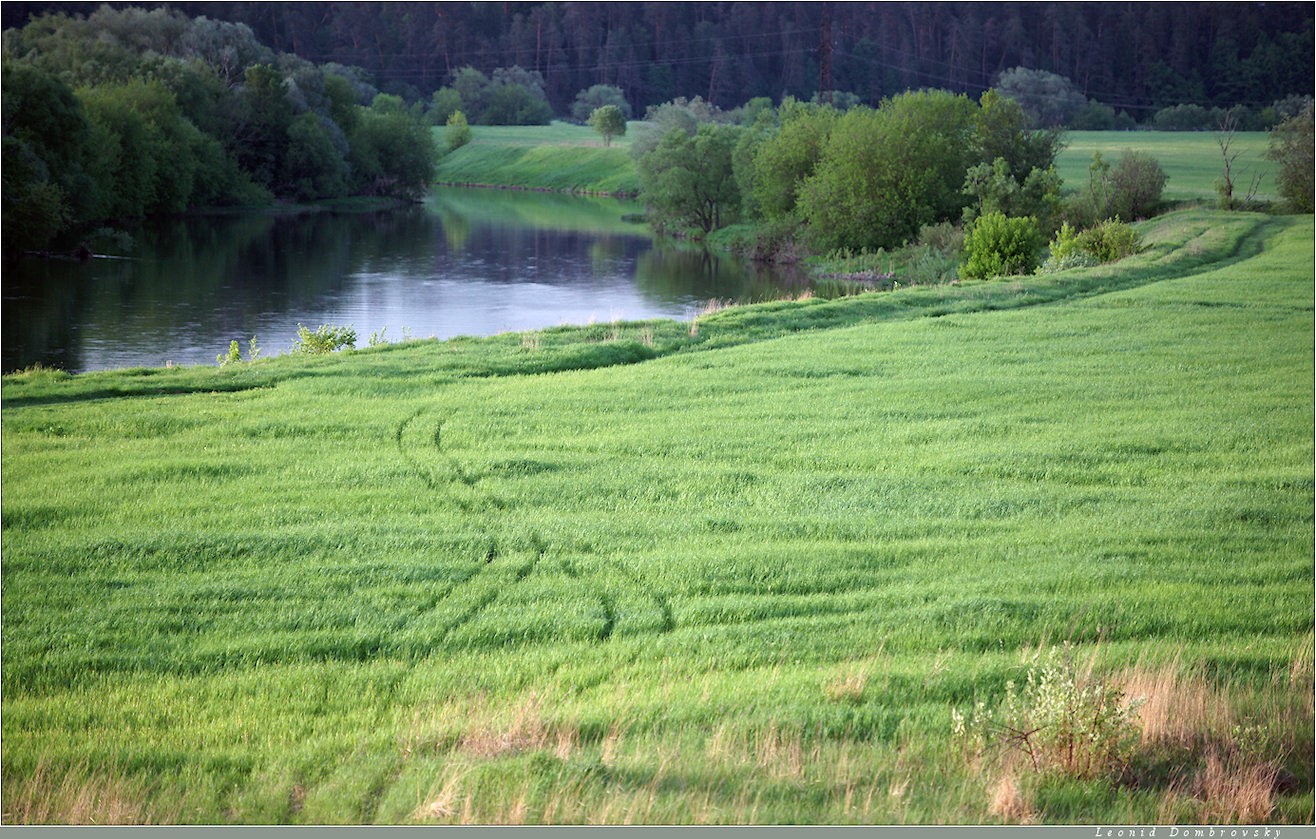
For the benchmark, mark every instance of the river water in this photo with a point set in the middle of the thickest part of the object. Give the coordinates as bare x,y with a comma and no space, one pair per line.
466,262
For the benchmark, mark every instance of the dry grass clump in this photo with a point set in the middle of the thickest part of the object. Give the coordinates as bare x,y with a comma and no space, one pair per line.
1008,802
523,730
74,796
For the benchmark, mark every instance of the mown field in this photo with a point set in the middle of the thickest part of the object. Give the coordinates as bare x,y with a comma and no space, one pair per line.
739,570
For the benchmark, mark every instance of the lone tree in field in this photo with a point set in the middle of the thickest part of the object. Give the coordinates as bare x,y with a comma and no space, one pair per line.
608,121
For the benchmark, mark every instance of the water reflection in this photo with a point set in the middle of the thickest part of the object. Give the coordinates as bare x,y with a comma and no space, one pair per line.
470,262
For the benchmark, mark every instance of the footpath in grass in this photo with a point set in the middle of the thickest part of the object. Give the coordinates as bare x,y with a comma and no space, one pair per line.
526,579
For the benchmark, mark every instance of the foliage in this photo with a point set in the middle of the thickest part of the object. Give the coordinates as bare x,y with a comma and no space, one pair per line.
233,356
996,245
994,190
688,181
789,157
1067,252
129,113
443,104
1049,99
1291,146
1098,116
1110,240
1136,183
511,96
392,150
458,133
596,96
1064,720
609,122
885,173
324,340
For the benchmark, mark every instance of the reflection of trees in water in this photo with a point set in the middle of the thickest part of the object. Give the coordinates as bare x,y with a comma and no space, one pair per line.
673,272
221,272
195,280
605,252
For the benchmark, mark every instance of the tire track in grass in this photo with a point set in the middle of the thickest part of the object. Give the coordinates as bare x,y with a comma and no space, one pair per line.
416,447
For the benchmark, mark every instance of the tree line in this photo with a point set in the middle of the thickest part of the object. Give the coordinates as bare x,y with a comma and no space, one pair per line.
867,179
1134,57
129,113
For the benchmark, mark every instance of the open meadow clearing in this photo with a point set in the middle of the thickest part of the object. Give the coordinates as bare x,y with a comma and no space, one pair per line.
739,570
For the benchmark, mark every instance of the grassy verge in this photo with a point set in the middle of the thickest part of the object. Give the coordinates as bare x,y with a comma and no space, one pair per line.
520,579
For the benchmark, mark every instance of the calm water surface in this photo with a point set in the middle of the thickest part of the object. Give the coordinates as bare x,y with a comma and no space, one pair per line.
467,262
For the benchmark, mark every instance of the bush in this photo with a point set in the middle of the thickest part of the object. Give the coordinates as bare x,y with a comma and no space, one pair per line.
1109,241
1183,118
323,340
1291,146
1065,720
1136,183
459,131
997,245
596,96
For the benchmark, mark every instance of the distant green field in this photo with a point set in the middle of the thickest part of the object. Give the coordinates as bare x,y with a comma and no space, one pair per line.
561,157
1191,159
738,570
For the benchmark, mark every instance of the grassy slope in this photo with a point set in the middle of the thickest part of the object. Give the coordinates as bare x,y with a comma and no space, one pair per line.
560,157
745,581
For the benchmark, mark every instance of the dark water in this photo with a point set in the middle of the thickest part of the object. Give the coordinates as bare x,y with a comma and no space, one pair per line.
467,262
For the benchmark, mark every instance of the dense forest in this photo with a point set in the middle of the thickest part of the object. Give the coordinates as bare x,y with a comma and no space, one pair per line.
1135,57
118,111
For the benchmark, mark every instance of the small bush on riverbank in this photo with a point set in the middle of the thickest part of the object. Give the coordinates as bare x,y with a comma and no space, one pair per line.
323,340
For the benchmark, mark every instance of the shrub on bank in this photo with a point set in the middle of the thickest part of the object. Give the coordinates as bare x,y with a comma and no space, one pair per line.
997,246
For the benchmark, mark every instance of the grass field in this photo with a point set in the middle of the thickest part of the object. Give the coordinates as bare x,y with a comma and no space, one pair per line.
560,157
738,570
1191,159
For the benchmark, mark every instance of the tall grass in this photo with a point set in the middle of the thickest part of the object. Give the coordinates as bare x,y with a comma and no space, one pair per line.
627,573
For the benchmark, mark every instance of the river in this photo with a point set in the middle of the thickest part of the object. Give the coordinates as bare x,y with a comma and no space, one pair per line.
465,262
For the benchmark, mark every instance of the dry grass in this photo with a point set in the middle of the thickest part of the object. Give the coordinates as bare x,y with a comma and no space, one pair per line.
1008,802
1179,706
1236,790
76,797
523,731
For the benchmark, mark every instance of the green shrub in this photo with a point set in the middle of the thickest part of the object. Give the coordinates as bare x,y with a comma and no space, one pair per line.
997,245
1065,720
1291,147
458,131
323,340
1109,241
1136,184
233,356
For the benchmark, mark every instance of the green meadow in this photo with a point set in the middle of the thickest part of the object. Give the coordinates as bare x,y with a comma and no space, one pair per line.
559,157
1191,159
736,570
